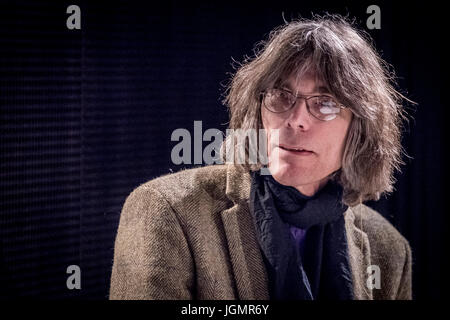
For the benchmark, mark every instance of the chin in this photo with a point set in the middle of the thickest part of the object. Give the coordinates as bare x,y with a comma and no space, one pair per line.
290,175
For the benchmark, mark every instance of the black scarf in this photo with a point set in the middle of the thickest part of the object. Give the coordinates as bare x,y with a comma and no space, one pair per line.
324,271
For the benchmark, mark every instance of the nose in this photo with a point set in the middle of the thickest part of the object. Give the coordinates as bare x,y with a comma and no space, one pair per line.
300,116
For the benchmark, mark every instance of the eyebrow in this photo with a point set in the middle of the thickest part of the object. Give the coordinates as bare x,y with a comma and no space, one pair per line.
320,89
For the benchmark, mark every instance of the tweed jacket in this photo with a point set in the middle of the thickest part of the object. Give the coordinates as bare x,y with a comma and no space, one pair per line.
190,235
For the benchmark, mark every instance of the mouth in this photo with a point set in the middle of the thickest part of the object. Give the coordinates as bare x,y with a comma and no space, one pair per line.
294,150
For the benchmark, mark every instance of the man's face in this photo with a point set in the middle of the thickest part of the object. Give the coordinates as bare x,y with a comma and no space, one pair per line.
298,129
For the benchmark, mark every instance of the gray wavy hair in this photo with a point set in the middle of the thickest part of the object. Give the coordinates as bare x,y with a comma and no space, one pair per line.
346,60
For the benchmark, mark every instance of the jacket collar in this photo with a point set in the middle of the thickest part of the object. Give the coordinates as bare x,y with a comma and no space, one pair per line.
246,259
238,184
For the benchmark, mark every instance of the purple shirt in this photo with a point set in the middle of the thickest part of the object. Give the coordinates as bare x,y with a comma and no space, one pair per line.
299,236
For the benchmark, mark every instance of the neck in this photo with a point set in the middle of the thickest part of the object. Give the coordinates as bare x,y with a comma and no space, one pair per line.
311,189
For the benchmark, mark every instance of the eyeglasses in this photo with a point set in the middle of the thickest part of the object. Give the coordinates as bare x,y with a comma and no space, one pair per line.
321,107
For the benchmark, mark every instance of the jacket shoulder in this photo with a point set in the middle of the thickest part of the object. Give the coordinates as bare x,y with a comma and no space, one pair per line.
210,179
379,230
189,188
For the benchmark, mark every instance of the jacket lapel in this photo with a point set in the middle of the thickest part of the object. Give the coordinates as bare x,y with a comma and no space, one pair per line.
248,267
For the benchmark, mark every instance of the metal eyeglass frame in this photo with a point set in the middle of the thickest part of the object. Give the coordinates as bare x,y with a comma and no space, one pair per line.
263,94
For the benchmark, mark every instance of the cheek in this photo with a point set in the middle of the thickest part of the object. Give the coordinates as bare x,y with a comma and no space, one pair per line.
269,123
333,150
334,156
271,120
266,120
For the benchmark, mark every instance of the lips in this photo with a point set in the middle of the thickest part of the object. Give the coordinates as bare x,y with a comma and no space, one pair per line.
295,149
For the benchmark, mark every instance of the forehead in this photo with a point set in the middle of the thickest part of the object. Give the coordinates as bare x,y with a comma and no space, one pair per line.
307,82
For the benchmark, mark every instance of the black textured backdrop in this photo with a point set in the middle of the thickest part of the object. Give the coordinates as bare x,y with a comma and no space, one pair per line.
86,116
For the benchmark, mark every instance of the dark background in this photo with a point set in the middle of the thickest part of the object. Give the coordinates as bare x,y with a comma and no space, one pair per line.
87,115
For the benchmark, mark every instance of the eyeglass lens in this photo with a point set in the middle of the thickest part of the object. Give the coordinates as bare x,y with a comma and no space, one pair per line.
322,107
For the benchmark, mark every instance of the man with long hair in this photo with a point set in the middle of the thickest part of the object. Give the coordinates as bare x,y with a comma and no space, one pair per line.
300,231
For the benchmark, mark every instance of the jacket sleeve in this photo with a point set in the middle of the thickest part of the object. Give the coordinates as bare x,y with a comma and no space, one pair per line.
152,259
405,288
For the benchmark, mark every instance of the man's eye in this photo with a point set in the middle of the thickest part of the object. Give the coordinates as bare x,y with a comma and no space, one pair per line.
328,110
328,103
285,97
328,106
